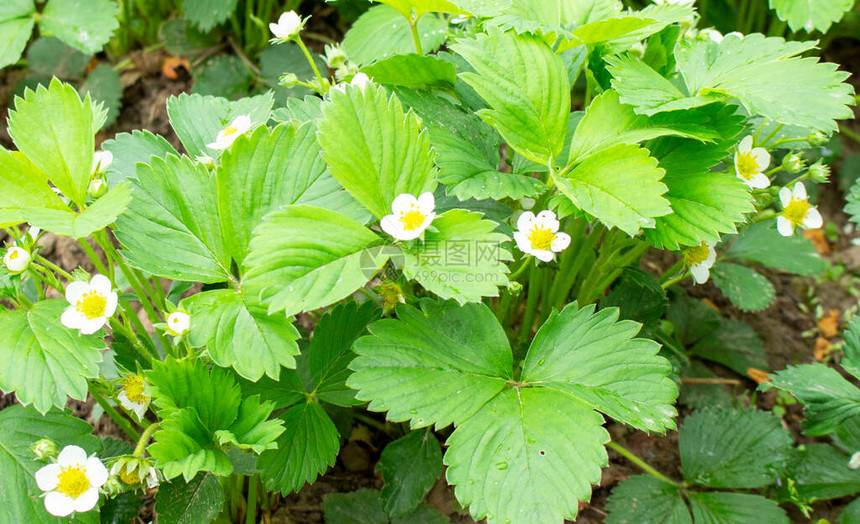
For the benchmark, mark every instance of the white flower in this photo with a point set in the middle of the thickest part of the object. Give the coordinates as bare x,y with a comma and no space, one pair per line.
796,211
16,260
101,161
288,26
410,216
538,235
700,259
239,126
750,163
854,463
133,395
91,304
335,56
178,323
206,160
361,81
97,188
72,483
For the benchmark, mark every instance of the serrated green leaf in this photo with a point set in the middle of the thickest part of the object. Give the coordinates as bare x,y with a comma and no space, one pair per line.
97,216
638,296
197,501
178,384
206,14
24,187
122,508
747,289
86,26
852,203
130,149
103,85
413,71
851,348
409,467
382,32
299,109
225,76
762,243
307,447
733,448
15,31
284,392
46,362
662,16
851,513
527,88
621,187
714,507
526,435
702,396
363,506
733,344
643,499
554,16
423,514
373,149
462,259
20,428
811,15
417,8
181,38
821,472
239,333
693,319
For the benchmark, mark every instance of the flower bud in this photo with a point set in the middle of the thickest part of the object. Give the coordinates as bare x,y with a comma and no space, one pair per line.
288,80
854,463
97,188
44,449
793,162
527,203
16,260
817,138
819,172
178,323
335,56
206,160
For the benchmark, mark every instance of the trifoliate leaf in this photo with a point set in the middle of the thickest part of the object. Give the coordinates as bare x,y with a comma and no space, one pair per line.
86,26
762,243
206,14
747,289
412,70
103,85
45,361
409,466
20,428
302,258
714,507
733,344
527,88
811,15
375,167
197,501
733,448
239,332
130,149
225,76
462,259
382,32
821,472
643,499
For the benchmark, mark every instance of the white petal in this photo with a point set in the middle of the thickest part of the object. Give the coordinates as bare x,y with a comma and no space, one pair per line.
242,123
274,29
46,477
101,284
784,227
427,221
59,505
124,400
87,500
403,203
391,225
544,255
217,145
560,242
546,219
426,203
139,410
97,473
799,191
762,158
72,456
813,219
700,273
746,145
759,181
522,242
110,305
75,291
525,221
72,318
90,326
785,197
712,257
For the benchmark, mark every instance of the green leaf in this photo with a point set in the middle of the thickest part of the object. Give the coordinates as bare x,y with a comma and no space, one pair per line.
24,188
48,56
462,259
409,467
733,448
382,32
525,434
130,149
594,357
702,396
16,26
693,320
638,296
412,70
417,8
436,365
206,14
733,344
225,76
103,85
241,334
852,203
811,15
86,26
851,512
735,508
299,109
20,428
197,501
181,38
307,447
363,506
821,472
174,206
763,244
46,362
53,127
747,289
527,88
423,514
554,16
288,58
643,499
97,216
375,150
621,187
851,348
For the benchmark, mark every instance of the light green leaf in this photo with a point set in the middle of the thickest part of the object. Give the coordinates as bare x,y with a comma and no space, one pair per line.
239,333
643,499
409,467
224,75
46,362
174,207
851,512
206,14
417,8
413,71
16,26
734,448
195,502
53,127
86,26
24,186
303,257
526,434
733,344
594,357
527,88
20,428
852,203
747,289
130,149
554,16
307,447
436,366
462,259
299,109
762,243
375,150
103,85
621,187
811,15
363,506
382,32
714,507
821,472
97,216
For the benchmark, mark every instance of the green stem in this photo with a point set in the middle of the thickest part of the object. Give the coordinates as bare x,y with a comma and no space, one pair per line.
850,133
121,421
644,466
116,325
94,258
251,506
534,292
416,39
141,443
57,269
772,134
520,269
310,60
679,278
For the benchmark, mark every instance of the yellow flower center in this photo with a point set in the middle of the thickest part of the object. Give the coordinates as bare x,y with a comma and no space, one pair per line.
133,387
73,482
92,305
130,478
796,211
747,165
696,255
229,130
541,238
412,219
13,254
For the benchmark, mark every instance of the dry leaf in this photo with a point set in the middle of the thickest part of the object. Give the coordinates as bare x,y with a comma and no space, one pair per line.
758,375
816,236
828,324
171,64
822,348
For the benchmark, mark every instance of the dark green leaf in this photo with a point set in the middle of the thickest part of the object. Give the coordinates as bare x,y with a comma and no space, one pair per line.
643,499
198,501
747,289
409,466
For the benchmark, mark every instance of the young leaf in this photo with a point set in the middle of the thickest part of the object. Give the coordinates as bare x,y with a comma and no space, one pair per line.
409,466
382,32
714,507
86,26
16,26
747,289
412,70
130,149
821,472
206,14
733,448
811,16
375,150
762,243
197,501
551,16
46,362
527,88
643,499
